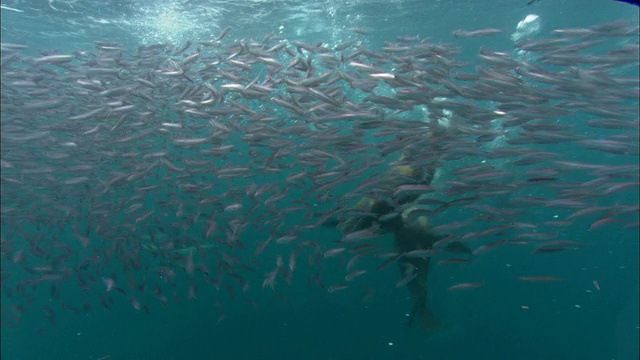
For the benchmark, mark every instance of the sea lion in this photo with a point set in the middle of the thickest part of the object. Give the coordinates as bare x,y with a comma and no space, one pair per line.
412,231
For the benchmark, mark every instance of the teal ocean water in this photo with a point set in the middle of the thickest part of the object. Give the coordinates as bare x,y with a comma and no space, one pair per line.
173,171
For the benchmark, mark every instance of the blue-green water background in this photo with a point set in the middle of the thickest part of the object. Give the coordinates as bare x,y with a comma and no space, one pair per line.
565,320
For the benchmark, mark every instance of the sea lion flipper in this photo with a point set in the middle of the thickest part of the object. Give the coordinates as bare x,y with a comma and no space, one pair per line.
457,247
423,318
331,222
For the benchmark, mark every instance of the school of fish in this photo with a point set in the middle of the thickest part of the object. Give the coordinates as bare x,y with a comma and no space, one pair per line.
142,176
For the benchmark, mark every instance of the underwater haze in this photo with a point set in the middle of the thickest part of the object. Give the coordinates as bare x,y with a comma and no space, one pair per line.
179,179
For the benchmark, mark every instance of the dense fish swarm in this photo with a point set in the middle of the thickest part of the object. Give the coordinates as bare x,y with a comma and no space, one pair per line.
141,178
